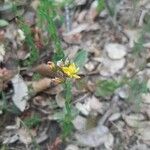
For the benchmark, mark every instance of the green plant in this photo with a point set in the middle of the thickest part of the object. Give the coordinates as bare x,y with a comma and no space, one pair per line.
136,89
4,147
67,120
101,5
106,87
3,102
6,107
34,54
36,76
112,7
47,13
25,126
81,58
135,8
32,122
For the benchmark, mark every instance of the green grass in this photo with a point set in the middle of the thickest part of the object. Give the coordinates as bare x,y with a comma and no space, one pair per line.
106,87
101,5
136,89
36,77
67,122
47,13
34,54
32,122
4,103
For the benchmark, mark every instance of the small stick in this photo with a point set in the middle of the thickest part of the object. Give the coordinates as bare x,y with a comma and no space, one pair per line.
68,18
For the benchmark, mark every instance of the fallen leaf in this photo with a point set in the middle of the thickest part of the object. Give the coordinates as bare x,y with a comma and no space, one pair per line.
2,52
109,142
5,74
133,36
22,54
72,38
2,36
94,104
80,2
60,100
115,50
3,23
80,123
25,135
46,70
77,29
83,108
111,67
93,137
115,116
90,66
139,147
148,84
146,98
35,4
43,84
20,35
56,144
20,96
55,90
134,120
93,12
71,147
29,18
144,134
123,91
11,140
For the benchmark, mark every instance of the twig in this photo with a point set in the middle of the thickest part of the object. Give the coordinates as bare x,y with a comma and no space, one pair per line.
142,18
80,99
68,18
113,106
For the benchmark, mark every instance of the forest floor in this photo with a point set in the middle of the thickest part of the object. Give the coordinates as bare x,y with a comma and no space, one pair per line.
110,102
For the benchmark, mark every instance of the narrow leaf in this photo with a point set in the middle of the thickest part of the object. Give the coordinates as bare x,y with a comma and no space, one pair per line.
106,87
81,58
3,23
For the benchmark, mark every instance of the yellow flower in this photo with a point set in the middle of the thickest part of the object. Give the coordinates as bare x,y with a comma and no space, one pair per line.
71,71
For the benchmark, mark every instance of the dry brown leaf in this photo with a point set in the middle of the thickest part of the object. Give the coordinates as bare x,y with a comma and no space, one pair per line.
46,70
73,38
43,84
93,13
22,54
35,4
54,90
93,137
5,76
2,36
25,136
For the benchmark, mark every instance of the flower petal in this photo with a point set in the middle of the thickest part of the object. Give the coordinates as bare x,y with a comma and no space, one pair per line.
76,76
71,71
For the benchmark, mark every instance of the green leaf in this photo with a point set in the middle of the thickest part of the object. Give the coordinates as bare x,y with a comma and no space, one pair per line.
101,5
106,87
33,121
81,58
3,23
136,89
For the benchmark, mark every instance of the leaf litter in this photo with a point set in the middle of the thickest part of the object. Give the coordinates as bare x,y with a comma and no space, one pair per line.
105,47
